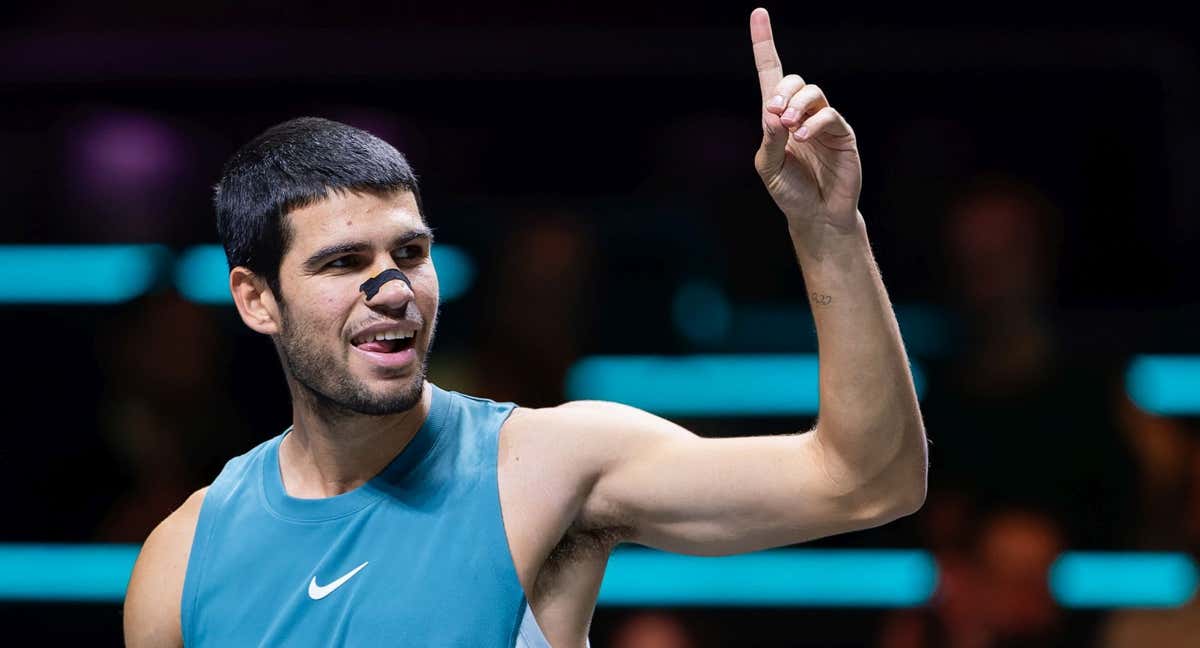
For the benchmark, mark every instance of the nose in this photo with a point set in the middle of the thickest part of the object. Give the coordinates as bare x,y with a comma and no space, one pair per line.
388,290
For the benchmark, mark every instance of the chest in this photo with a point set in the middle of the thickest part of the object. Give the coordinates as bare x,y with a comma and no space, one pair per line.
387,575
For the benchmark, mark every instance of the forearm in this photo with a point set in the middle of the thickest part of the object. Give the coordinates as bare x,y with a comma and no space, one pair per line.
869,420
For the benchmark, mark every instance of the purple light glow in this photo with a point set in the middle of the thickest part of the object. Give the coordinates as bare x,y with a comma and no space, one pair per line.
122,153
125,169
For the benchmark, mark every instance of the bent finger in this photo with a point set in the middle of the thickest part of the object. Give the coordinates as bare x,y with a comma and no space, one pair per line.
827,121
787,88
804,104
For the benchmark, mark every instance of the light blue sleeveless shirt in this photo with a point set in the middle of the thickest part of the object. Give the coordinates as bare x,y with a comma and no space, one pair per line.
417,556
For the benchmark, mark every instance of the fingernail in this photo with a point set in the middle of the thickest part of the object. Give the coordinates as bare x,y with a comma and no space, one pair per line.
790,113
802,133
777,101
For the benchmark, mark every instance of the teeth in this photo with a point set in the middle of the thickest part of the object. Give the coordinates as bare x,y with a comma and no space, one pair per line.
386,335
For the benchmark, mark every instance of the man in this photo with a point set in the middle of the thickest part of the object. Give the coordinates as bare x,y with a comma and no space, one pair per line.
394,511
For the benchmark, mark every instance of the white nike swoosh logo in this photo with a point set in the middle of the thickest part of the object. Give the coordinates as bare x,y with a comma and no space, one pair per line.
318,592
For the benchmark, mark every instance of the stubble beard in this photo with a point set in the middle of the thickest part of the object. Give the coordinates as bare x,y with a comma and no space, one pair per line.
338,395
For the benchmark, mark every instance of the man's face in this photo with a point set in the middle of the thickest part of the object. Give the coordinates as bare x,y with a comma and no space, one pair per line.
328,327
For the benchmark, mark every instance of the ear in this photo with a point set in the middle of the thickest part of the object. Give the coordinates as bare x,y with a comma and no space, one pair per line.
255,301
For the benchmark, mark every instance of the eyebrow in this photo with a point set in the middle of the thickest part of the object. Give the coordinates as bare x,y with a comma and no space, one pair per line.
345,247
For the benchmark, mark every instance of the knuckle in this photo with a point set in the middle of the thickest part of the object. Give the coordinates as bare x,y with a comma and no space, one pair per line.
807,96
788,85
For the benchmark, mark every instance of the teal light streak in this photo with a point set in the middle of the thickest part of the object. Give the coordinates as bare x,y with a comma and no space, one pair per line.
646,577
706,385
79,572
1115,579
77,274
1165,384
202,275
781,577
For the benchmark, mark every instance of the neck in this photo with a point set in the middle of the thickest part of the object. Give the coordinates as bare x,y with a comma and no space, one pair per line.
327,454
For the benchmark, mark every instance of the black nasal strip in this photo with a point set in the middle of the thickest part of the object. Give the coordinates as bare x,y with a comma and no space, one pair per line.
371,286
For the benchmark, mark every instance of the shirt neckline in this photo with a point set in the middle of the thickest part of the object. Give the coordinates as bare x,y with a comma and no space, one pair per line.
327,508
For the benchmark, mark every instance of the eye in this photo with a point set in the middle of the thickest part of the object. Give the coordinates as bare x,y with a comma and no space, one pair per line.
411,252
342,262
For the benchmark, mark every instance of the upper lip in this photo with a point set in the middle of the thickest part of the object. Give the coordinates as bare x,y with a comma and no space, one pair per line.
385,327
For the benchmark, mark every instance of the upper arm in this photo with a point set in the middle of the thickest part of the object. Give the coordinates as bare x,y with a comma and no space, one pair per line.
674,490
155,592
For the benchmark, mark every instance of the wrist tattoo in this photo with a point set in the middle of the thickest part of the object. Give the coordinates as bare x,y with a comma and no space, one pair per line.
822,300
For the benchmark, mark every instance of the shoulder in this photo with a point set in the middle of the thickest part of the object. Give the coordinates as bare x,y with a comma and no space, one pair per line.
550,460
152,601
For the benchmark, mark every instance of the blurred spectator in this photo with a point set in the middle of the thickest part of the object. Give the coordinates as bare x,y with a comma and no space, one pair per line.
1170,628
1166,452
1166,628
1015,554
1169,459
537,312
652,630
993,596
167,415
1014,421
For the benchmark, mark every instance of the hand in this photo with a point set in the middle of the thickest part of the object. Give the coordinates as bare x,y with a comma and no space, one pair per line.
809,157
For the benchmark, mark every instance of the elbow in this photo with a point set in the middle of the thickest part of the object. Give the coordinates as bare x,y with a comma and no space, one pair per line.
907,491
897,487
901,490
895,504
889,500
912,500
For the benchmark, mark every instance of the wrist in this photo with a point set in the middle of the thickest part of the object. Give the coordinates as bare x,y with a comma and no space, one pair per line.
819,243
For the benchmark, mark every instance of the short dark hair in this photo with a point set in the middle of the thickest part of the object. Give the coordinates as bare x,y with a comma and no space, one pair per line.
290,166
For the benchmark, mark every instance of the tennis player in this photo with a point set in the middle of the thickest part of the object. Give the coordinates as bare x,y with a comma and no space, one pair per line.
394,512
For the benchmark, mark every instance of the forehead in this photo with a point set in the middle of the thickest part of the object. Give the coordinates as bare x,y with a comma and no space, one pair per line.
352,214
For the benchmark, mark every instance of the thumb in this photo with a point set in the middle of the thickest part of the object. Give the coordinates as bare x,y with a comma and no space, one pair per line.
770,156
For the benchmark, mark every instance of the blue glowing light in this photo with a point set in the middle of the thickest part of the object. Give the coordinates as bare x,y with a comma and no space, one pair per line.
1115,579
706,385
781,577
77,274
455,271
1165,384
202,275
646,577
80,572
701,312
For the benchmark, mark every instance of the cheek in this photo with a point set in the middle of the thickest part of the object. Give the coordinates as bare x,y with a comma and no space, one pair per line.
425,285
320,323
335,297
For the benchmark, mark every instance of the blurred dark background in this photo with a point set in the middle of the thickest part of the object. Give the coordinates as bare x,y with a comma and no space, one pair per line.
1029,189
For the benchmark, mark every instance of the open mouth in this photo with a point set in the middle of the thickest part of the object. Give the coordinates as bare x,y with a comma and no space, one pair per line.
387,343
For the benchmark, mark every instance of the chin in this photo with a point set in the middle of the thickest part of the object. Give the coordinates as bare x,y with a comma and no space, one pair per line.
400,393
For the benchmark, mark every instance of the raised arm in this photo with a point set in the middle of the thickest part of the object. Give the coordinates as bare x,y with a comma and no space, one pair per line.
863,464
869,421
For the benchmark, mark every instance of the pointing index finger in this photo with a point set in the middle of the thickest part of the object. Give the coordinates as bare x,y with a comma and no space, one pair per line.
770,70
